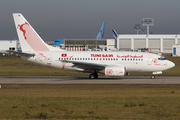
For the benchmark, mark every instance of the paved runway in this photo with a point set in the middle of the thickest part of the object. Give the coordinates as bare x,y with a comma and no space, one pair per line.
70,80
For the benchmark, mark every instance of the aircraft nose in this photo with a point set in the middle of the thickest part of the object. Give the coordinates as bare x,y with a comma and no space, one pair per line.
171,64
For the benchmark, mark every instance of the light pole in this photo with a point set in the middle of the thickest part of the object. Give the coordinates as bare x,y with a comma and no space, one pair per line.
148,22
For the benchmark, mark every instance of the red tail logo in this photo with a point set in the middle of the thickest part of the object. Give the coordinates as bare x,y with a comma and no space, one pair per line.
21,28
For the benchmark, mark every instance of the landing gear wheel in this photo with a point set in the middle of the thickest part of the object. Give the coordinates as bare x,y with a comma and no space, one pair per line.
91,76
152,77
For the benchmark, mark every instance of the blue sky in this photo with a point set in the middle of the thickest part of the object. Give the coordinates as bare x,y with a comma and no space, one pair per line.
82,19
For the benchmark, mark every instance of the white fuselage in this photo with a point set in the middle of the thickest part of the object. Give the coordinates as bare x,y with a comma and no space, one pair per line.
132,61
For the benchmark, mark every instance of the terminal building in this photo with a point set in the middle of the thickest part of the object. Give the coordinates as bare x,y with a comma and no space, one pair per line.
85,44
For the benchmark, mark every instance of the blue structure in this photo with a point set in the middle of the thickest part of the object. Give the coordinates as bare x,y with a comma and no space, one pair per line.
174,51
101,31
58,42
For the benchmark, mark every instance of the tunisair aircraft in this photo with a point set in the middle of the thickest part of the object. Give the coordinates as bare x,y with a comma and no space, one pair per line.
115,63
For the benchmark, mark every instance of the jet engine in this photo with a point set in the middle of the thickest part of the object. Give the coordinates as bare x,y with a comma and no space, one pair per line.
114,71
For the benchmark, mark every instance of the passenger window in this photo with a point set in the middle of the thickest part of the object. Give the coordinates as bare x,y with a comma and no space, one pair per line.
75,58
116,58
91,58
72,58
69,58
99,58
88,58
83,58
80,58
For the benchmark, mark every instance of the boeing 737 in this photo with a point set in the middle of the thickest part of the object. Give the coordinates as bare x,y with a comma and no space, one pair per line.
114,63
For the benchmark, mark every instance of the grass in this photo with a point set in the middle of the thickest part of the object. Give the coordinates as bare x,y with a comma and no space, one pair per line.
14,66
90,102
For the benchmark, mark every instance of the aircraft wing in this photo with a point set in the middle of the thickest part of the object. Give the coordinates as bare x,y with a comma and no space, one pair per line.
86,66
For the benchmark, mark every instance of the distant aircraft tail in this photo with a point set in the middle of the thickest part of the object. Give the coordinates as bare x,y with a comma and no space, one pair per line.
101,31
115,35
30,41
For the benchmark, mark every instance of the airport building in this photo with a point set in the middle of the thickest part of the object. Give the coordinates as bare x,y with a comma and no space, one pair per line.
155,43
9,45
85,44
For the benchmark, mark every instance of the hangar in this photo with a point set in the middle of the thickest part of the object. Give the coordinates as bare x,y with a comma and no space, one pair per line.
156,43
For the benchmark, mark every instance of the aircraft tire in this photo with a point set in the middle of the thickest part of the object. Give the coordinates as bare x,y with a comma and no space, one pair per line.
91,76
152,77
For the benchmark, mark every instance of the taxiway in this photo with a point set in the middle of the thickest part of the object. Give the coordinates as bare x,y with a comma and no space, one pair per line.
71,80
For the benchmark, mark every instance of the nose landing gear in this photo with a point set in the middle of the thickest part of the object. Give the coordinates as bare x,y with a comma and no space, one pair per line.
152,76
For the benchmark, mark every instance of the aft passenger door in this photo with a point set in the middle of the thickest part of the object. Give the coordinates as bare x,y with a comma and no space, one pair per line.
49,59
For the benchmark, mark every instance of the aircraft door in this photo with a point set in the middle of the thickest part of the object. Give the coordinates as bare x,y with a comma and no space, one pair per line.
49,59
149,60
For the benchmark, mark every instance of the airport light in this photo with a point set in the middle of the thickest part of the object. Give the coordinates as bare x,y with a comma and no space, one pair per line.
148,22
137,27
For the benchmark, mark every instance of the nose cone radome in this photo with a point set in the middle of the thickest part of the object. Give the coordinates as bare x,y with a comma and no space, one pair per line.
171,64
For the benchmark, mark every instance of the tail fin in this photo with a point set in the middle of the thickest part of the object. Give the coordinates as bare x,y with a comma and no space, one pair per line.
115,35
30,41
101,31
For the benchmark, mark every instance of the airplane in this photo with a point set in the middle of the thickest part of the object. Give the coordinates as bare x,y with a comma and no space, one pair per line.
113,63
101,31
115,35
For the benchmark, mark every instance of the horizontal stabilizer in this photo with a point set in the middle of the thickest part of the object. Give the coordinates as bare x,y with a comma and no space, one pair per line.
21,53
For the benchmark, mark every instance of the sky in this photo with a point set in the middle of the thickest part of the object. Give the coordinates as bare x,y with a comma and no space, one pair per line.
82,19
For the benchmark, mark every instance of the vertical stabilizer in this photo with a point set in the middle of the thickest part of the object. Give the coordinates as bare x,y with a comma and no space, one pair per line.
29,39
115,35
101,31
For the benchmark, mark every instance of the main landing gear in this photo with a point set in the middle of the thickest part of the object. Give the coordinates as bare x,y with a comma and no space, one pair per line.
152,76
93,76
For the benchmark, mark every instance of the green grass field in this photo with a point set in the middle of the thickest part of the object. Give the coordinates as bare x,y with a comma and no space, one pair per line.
136,102
14,66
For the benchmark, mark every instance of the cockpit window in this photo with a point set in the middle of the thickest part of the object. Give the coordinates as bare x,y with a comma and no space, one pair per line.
162,58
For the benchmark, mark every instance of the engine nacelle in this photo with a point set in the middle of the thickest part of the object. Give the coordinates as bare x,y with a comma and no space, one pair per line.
115,71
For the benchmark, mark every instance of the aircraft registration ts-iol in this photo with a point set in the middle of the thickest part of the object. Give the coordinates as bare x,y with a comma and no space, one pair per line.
114,63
